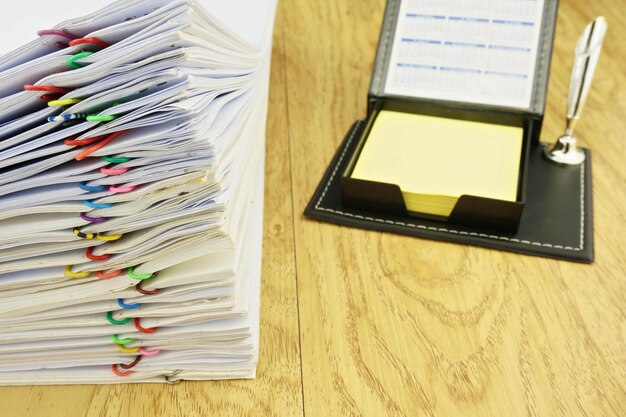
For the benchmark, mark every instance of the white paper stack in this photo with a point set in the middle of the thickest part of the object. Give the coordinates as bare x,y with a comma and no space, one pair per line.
131,190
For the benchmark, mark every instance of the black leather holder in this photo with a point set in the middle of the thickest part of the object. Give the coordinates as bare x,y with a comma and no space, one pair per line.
557,220
469,210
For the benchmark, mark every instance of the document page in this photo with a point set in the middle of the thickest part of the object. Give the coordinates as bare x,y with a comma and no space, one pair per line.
479,51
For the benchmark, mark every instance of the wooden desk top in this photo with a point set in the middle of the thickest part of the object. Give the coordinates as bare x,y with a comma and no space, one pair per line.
358,323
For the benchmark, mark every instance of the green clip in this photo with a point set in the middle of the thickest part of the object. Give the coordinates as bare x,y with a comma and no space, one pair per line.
71,62
116,322
95,118
121,341
115,160
131,273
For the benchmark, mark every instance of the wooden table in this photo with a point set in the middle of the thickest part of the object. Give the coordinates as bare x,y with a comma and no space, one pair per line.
358,323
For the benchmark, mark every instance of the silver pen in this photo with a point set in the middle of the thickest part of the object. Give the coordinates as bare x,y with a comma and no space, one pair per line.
565,150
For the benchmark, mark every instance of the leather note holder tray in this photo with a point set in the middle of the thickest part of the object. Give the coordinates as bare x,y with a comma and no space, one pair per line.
556,222
552,213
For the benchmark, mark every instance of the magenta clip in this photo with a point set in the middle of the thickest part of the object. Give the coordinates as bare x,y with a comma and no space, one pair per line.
57,32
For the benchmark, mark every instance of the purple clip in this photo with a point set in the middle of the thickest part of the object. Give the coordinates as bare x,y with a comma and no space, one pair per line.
92,219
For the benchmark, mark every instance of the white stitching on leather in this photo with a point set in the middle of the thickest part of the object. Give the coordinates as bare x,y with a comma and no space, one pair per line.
581,244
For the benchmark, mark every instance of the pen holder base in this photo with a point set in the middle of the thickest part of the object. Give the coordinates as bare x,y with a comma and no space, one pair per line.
565,152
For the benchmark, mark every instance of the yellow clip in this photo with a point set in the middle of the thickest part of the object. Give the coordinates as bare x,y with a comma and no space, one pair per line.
64,102
82,235
127,350
69,273
107,238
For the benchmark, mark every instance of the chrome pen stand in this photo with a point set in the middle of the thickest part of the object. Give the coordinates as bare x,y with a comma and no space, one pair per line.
566,151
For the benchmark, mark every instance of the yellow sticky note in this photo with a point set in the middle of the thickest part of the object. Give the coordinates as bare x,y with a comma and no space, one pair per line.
435,160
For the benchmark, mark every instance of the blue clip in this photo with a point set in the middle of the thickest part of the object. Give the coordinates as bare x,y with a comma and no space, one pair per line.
127,306
85,187
67,117
96,206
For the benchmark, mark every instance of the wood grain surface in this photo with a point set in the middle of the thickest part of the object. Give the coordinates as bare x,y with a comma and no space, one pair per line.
359,323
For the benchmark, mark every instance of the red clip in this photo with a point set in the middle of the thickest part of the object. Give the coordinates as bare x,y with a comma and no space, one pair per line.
93,41
81,142
48,88
143,329
93,257
84,154
109,275
118,372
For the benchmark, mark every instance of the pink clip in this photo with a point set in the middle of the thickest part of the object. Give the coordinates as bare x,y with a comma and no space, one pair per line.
145,352
57,32
118,189
113,171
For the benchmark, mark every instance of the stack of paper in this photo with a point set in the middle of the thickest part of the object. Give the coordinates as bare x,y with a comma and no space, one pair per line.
131,192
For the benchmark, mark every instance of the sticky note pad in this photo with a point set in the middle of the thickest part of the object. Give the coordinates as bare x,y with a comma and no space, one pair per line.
436,160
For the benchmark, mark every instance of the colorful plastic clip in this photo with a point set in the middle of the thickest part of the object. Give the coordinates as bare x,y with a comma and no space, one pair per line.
146,352
84,154
118,372
119,341
71,62
96,206
47,88
132,364
92,41
101,118
56,32
108,238
82,235
92,219
64,102
108,275
140,290
49,97
72,141
83,186
65,117
128,350
131,273
113,171
118,189
115,160
116,322
93,257
122,304
69,273
143,329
